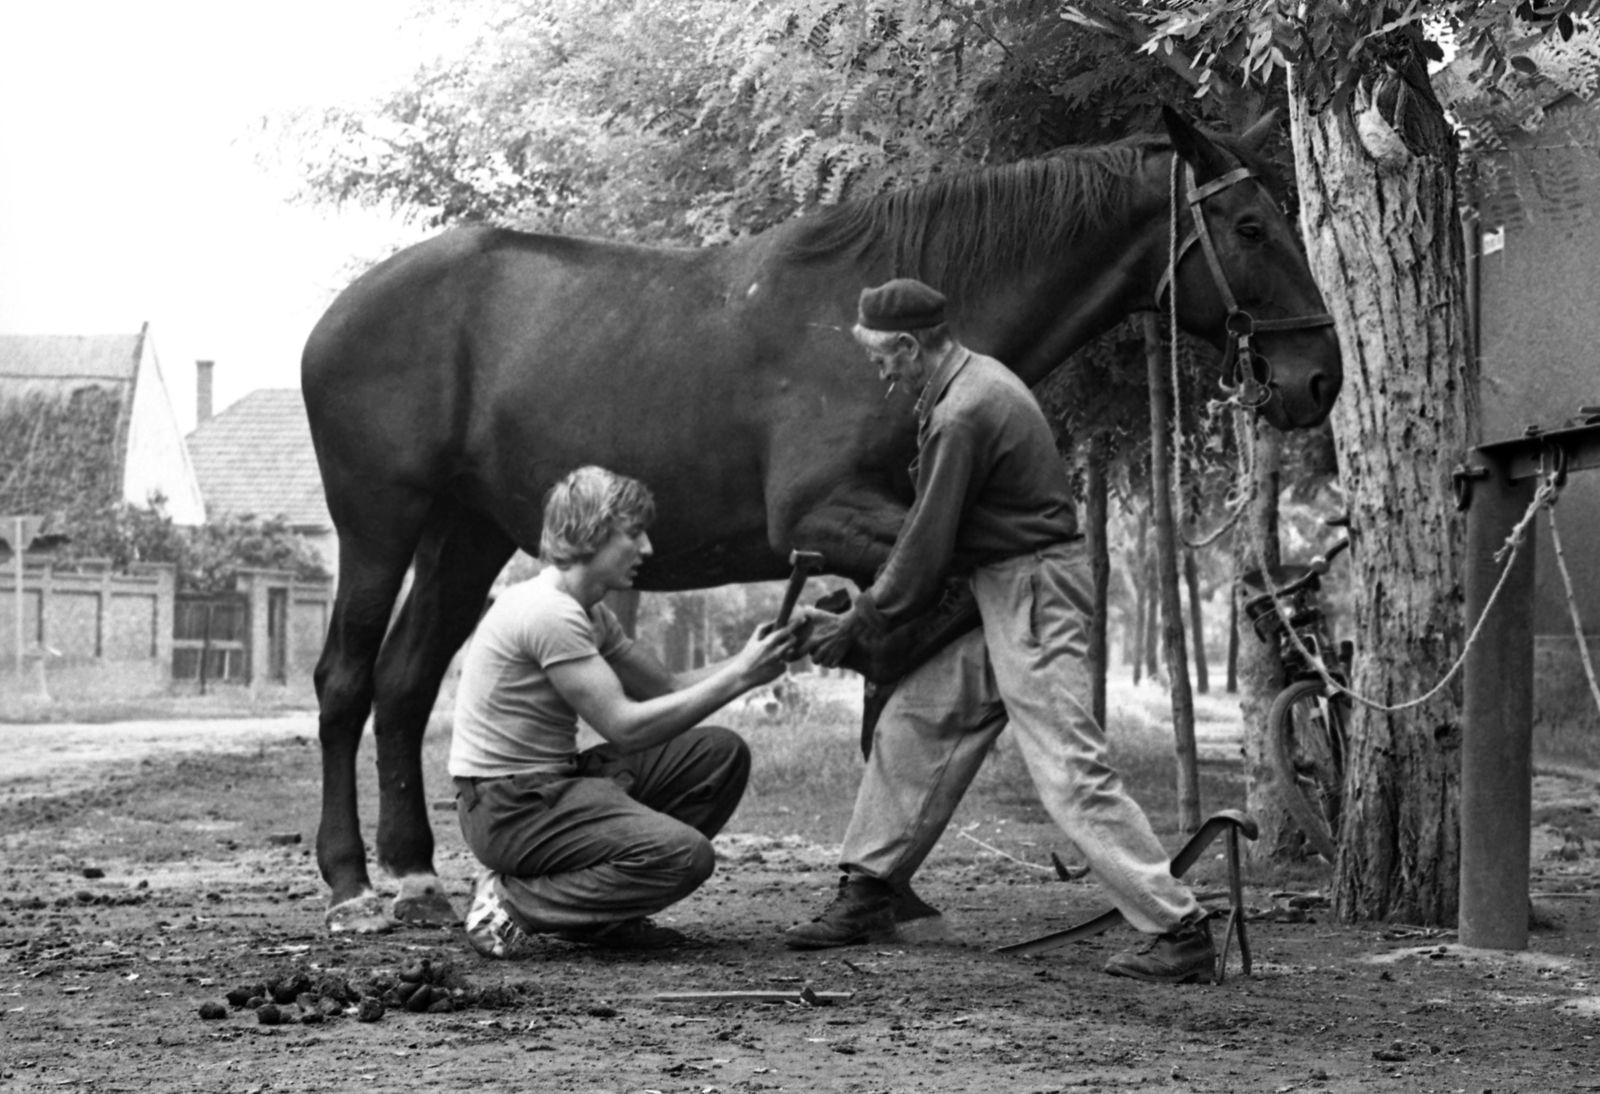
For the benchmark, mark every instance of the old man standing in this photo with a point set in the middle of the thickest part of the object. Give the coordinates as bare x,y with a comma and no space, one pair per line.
992,499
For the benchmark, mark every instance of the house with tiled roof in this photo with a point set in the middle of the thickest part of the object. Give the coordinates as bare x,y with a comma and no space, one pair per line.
255,459
87,421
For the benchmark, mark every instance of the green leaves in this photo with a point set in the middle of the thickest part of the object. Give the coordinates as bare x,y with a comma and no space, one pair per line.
206,557
696,121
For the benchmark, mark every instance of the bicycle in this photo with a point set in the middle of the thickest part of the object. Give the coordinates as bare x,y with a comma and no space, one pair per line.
1306,724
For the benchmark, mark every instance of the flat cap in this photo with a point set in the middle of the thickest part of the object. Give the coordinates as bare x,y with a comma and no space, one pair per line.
901,304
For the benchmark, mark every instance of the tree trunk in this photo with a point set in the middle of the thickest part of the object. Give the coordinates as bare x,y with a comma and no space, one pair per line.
1197,628
1141,597
1384,243
1166,565
677,638
1152,616
1233,645
1260,667
1097,513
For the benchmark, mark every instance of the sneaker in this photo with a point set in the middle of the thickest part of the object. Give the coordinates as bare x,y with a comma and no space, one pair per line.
490,927
625,934
863,911
1183,956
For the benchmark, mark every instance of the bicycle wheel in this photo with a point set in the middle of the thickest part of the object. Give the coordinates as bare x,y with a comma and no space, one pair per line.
1306,729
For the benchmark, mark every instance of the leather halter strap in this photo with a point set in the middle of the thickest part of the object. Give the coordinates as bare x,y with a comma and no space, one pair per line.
1240,324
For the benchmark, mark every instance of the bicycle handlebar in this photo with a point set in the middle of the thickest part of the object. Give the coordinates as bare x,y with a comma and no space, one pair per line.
1320,565
1314,570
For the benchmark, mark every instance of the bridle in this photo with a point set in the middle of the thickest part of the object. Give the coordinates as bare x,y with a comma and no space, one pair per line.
1239,376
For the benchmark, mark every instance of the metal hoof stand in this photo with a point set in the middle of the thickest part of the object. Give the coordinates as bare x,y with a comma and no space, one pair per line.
1228,822
1496,488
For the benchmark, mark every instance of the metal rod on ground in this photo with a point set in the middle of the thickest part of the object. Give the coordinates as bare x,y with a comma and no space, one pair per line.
1497,733
802,995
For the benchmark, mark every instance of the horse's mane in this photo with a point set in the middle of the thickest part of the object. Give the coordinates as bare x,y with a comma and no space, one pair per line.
989,219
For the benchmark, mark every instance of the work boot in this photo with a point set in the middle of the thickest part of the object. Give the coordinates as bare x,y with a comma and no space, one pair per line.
491,929
1180,956
863,911
625,934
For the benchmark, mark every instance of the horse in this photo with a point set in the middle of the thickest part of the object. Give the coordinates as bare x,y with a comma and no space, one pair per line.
449,386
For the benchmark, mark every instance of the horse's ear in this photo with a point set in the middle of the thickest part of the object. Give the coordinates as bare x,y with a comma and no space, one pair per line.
1195,148
1252,139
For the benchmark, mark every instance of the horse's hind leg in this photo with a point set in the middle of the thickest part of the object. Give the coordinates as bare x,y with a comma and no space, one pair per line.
457,561
376,541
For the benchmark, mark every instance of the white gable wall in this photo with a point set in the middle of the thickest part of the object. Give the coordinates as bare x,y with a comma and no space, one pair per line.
157,458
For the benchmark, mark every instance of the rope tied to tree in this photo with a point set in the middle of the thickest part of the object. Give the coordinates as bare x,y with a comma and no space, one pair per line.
1545,496
1245,397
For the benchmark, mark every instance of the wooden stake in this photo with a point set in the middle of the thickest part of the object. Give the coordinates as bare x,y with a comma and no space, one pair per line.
1176,650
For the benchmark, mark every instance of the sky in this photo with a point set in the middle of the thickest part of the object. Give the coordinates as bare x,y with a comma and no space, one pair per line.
129,185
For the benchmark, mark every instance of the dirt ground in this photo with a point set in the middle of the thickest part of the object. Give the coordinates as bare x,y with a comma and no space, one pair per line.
133,894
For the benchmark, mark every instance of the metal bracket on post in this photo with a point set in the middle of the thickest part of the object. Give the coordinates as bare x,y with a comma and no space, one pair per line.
1462,479
1553,464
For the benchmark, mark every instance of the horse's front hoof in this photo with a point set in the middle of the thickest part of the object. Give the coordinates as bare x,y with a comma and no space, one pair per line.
430,908
361,915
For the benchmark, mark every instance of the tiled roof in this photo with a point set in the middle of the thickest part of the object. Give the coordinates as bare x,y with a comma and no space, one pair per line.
68,356
255,458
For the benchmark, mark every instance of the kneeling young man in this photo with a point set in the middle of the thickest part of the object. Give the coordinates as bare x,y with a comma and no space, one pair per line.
992,499
586,845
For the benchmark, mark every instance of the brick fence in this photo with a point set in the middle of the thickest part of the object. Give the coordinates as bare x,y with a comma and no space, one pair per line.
119,627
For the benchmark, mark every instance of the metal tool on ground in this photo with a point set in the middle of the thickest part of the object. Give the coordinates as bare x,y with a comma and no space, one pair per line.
803,995
1229,822
804,563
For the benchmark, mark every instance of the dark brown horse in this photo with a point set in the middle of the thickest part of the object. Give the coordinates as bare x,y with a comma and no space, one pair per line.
448,387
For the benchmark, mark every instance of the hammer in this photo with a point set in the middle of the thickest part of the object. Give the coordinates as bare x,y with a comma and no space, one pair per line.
805,564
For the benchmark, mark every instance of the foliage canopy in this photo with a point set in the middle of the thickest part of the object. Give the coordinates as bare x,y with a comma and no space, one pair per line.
666,121
206,557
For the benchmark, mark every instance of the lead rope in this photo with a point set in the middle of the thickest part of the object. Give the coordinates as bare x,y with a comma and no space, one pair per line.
1546,494
1572,607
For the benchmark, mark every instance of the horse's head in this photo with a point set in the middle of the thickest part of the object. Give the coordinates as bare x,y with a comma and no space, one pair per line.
1242,282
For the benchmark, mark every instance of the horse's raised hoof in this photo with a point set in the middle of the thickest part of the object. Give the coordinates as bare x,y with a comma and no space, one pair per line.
359,915
422,903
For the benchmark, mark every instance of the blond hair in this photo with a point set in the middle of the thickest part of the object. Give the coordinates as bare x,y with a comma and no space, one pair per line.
585,508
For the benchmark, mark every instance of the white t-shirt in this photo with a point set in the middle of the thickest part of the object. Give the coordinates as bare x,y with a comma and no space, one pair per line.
509,717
